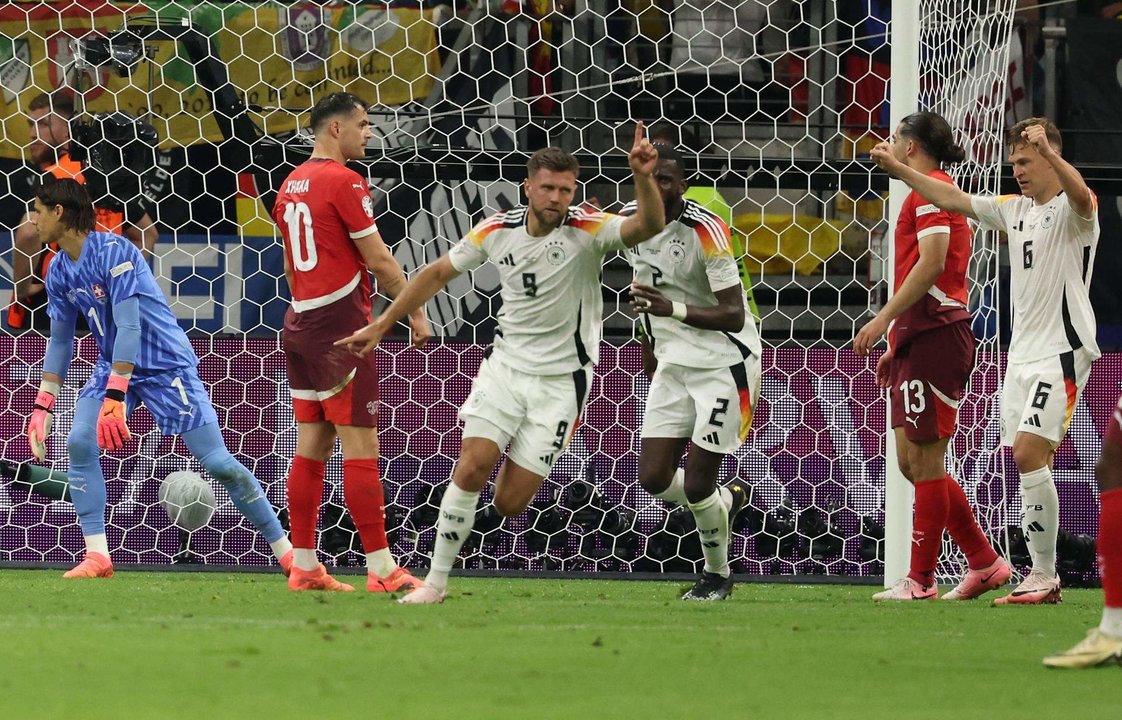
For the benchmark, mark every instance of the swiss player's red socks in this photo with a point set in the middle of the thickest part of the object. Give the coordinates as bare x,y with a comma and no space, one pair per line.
965,531
1110,546
305,493
362,489
928,523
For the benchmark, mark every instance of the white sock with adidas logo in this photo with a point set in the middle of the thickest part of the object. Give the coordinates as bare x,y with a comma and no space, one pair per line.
712,520
1041,521
457,516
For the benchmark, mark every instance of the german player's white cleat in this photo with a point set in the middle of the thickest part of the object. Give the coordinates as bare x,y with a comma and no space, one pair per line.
424,595
1036,589
1096,649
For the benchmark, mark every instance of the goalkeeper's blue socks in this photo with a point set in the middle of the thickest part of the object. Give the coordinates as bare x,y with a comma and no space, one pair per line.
206,444
87,483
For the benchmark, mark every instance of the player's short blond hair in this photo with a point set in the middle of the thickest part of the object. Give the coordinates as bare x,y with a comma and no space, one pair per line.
552,158
1014,139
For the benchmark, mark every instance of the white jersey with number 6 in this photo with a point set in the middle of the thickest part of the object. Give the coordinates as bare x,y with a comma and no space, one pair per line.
1051,254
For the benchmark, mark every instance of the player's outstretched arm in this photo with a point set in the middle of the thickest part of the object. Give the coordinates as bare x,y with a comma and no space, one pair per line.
943,194
1074,187
391,281
423,285
649,218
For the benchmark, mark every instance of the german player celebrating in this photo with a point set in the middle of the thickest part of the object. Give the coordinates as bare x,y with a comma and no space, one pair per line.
531,388
928,364
698,325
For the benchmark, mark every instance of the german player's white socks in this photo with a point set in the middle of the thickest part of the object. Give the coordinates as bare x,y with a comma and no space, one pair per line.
98,544
713,527
676,493
1041,519
381,563
1112,621
457,516
281,547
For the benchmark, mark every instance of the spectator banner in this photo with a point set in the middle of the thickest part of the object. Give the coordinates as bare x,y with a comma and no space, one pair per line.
278,55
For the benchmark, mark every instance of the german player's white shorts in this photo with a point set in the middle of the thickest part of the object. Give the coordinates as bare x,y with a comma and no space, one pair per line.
711,406
1039,396
535,414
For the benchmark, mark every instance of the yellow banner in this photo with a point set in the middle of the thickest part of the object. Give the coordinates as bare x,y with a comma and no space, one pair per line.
278,56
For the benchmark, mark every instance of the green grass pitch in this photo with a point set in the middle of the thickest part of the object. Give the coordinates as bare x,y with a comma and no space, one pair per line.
230,645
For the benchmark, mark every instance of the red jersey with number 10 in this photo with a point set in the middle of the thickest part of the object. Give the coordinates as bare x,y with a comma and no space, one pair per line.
946,301
321,209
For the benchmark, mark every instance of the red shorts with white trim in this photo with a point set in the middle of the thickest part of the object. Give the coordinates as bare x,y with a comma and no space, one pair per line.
928,378
328,383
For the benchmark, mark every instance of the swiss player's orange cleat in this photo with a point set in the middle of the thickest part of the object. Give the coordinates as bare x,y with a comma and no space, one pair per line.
286,563
400,580
317,579
94,565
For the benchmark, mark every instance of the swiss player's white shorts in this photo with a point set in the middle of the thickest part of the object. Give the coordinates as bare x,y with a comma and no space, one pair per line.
1039,396
535,414
711,406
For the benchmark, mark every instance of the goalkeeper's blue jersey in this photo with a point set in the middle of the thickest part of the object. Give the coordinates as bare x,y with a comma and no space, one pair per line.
111,269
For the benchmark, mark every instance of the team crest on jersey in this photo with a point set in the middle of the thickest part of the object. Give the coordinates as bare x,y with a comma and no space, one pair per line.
98,291
372,407
676,251
1048,220
368,206
555,253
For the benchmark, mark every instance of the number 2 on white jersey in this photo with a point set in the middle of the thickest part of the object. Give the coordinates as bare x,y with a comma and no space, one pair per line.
299,217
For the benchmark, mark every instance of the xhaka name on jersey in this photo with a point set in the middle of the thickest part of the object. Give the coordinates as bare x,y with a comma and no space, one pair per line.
298,186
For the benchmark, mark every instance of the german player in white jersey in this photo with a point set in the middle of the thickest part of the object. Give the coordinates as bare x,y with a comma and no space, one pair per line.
706,367
532,386
1053,231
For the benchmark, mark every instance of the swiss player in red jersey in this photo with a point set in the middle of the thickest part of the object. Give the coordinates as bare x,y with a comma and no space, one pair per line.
927,366
331,240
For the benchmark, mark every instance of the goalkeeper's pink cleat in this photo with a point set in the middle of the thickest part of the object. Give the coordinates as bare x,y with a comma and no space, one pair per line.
423,595
94,565
286,563
908,589
317,579
399,580
980,582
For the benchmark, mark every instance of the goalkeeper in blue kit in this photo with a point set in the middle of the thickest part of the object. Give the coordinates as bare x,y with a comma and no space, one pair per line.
144,356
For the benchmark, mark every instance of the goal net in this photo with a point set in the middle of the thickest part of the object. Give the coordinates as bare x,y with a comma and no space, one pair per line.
776,104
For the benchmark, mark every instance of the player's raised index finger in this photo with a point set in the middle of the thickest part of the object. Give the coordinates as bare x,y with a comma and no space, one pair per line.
638,133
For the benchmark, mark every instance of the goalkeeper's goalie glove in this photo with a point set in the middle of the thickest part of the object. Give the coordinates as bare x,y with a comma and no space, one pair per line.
112,433
39,426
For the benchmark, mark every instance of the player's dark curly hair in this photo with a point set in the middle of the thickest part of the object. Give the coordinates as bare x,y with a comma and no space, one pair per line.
340,103
77,208
934,135
552,158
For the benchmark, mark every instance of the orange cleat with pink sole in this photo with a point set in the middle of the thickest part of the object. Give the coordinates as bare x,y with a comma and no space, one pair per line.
94,565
